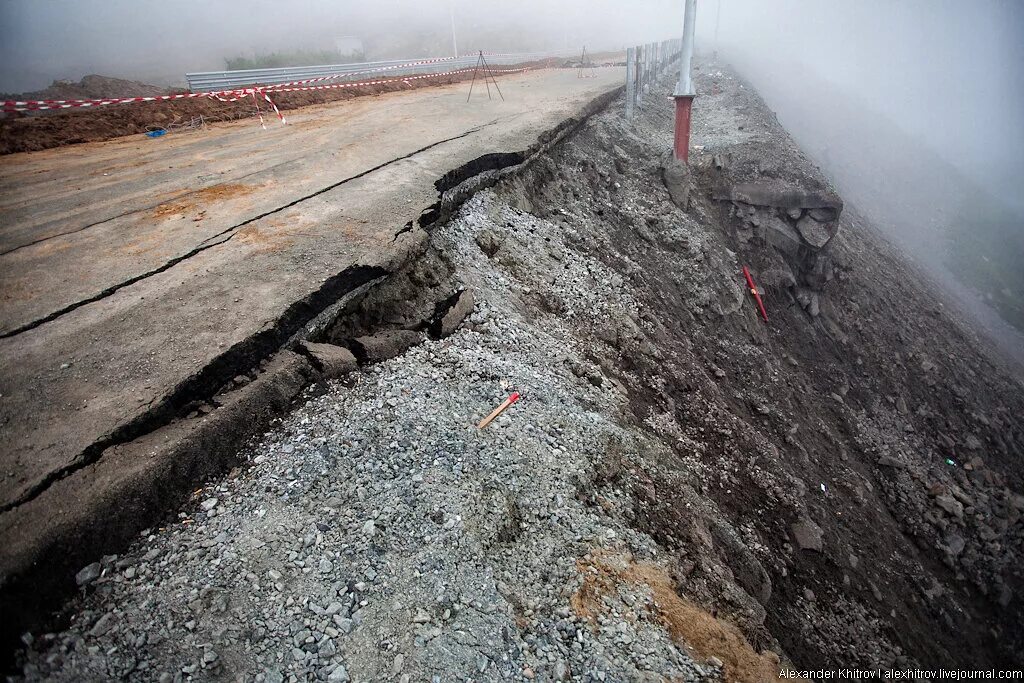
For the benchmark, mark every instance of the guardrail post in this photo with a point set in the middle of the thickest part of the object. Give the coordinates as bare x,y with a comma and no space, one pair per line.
647,68
630,83
640,75
650,69
646,53
684,92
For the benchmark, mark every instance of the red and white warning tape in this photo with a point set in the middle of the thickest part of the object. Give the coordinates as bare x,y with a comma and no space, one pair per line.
333,77
385,81
32,105
241,93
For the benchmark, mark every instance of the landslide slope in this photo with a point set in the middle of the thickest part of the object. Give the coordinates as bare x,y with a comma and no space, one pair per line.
864,443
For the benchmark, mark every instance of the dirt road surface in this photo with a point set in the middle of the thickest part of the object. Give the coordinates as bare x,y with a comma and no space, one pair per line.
129,266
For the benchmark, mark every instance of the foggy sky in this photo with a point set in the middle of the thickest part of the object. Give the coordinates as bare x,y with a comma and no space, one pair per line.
946,71
41,40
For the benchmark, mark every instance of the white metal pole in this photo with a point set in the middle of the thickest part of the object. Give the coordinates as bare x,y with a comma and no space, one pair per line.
640,75
685,85
455,43
718,20
630,82
684,89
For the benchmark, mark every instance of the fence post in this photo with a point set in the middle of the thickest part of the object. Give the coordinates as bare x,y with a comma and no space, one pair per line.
684,92
646,52
639,74
650,65
648,55
630,82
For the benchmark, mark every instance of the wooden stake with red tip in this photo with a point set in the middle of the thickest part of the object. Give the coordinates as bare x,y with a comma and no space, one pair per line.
499,410
753,290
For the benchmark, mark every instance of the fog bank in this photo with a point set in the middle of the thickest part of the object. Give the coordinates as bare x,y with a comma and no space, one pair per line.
914,109
160,41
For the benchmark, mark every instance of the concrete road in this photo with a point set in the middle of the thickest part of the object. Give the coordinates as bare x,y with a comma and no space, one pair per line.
128,266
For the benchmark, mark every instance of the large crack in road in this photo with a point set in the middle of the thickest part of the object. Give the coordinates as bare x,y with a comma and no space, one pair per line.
245,354
225,235
140,210
160,468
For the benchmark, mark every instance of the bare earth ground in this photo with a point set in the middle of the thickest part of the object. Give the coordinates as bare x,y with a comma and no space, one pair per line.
685,492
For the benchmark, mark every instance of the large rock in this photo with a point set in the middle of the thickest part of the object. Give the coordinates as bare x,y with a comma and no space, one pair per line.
816,269
780,235
780,196
385,345
458,308
797,222
814,233
88,574
333,361
826,215
778,277
807,535
890,461
676,176
951,505
489,242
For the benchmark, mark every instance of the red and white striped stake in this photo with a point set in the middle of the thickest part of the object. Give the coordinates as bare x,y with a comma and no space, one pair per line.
262,125
499,410
276,110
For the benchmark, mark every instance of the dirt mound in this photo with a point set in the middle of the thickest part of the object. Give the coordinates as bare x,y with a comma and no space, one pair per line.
22,132
91,87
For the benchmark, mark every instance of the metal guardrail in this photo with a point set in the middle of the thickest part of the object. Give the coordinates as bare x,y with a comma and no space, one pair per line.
208,81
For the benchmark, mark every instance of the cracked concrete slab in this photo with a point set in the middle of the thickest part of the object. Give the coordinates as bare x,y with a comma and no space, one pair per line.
132,265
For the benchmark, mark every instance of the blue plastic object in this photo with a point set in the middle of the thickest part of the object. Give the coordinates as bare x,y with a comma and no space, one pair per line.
156,133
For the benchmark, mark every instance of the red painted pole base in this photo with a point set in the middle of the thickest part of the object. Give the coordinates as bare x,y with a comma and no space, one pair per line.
684,104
